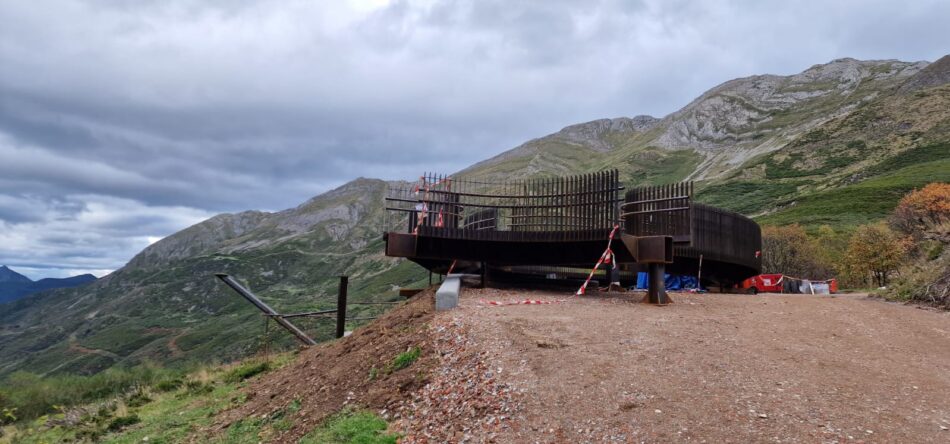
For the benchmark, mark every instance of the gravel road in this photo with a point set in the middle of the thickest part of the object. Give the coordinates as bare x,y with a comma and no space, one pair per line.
714,368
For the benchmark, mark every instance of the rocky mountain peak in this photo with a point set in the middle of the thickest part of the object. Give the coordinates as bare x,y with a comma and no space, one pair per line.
200,238
744,110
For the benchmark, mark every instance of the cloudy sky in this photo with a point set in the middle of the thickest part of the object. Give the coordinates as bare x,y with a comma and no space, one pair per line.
123,122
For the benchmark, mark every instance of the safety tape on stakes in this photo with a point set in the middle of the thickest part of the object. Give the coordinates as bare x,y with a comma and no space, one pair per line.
581,291
524,302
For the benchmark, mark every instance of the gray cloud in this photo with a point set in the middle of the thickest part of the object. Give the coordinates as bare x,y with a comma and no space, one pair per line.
198,107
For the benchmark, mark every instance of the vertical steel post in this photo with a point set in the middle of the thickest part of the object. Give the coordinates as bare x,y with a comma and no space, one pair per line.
657,287
699,274
341,306
484,283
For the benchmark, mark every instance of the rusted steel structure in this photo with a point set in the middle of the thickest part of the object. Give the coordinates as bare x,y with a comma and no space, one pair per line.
565,222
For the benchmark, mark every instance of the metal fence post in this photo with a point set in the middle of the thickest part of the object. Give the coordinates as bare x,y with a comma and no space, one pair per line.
341,307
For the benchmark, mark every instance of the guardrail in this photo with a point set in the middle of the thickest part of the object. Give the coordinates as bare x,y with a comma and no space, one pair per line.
282,319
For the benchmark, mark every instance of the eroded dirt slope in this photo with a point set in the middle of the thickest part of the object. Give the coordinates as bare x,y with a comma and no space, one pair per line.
334,375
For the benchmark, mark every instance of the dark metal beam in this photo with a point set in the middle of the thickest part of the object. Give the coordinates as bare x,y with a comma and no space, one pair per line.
341,307
265,308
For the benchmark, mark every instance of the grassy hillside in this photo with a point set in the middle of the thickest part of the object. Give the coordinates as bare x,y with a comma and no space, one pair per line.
849,171
172,310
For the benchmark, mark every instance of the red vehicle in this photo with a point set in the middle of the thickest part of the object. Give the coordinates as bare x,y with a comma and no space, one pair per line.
767,283
775,283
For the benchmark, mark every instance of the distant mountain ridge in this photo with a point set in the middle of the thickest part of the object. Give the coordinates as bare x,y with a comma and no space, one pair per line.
835,145
15,286
8,276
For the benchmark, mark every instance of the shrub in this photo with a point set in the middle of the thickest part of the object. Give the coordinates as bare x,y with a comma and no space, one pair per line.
876,251
927,282
138,397
925,213
924,217
790,250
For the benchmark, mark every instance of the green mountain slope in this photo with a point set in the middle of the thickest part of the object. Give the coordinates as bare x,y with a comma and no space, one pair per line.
836,144
166,306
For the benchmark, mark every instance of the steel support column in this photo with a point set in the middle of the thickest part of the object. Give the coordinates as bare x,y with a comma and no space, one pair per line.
656,293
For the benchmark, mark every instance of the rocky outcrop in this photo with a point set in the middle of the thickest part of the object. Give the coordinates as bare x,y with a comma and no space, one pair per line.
751,109
593,134
200,238
728,124
336,212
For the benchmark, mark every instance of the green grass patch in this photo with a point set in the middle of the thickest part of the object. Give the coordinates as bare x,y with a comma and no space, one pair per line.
169,416
33,396
247,370
351,427
121,340
830,161
121,422
404,359
913,156
748,197
654,166
861,203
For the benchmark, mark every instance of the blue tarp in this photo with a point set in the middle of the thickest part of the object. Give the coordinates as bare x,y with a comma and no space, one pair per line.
642,282
673,282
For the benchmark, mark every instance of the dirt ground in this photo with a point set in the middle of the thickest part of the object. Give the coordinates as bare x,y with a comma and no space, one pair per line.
713,368
340,374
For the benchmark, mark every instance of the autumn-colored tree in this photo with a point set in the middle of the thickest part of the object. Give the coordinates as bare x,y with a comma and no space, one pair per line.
789,250
925,213
876,251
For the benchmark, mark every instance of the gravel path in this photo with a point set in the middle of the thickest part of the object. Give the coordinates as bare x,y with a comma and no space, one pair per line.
712,368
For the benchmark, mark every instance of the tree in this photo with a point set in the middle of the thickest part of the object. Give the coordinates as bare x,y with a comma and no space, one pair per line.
789,250
925,213
877,251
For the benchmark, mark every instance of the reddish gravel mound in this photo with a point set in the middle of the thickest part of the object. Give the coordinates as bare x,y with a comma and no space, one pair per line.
328,377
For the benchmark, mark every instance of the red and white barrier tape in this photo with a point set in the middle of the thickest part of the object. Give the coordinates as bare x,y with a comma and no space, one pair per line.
610,239
451,267
523,302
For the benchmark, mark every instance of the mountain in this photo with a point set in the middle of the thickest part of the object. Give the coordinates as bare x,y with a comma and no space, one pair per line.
14,285
166,305
8,276
836,144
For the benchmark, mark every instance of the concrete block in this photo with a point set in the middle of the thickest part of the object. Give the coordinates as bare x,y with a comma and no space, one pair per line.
447,296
